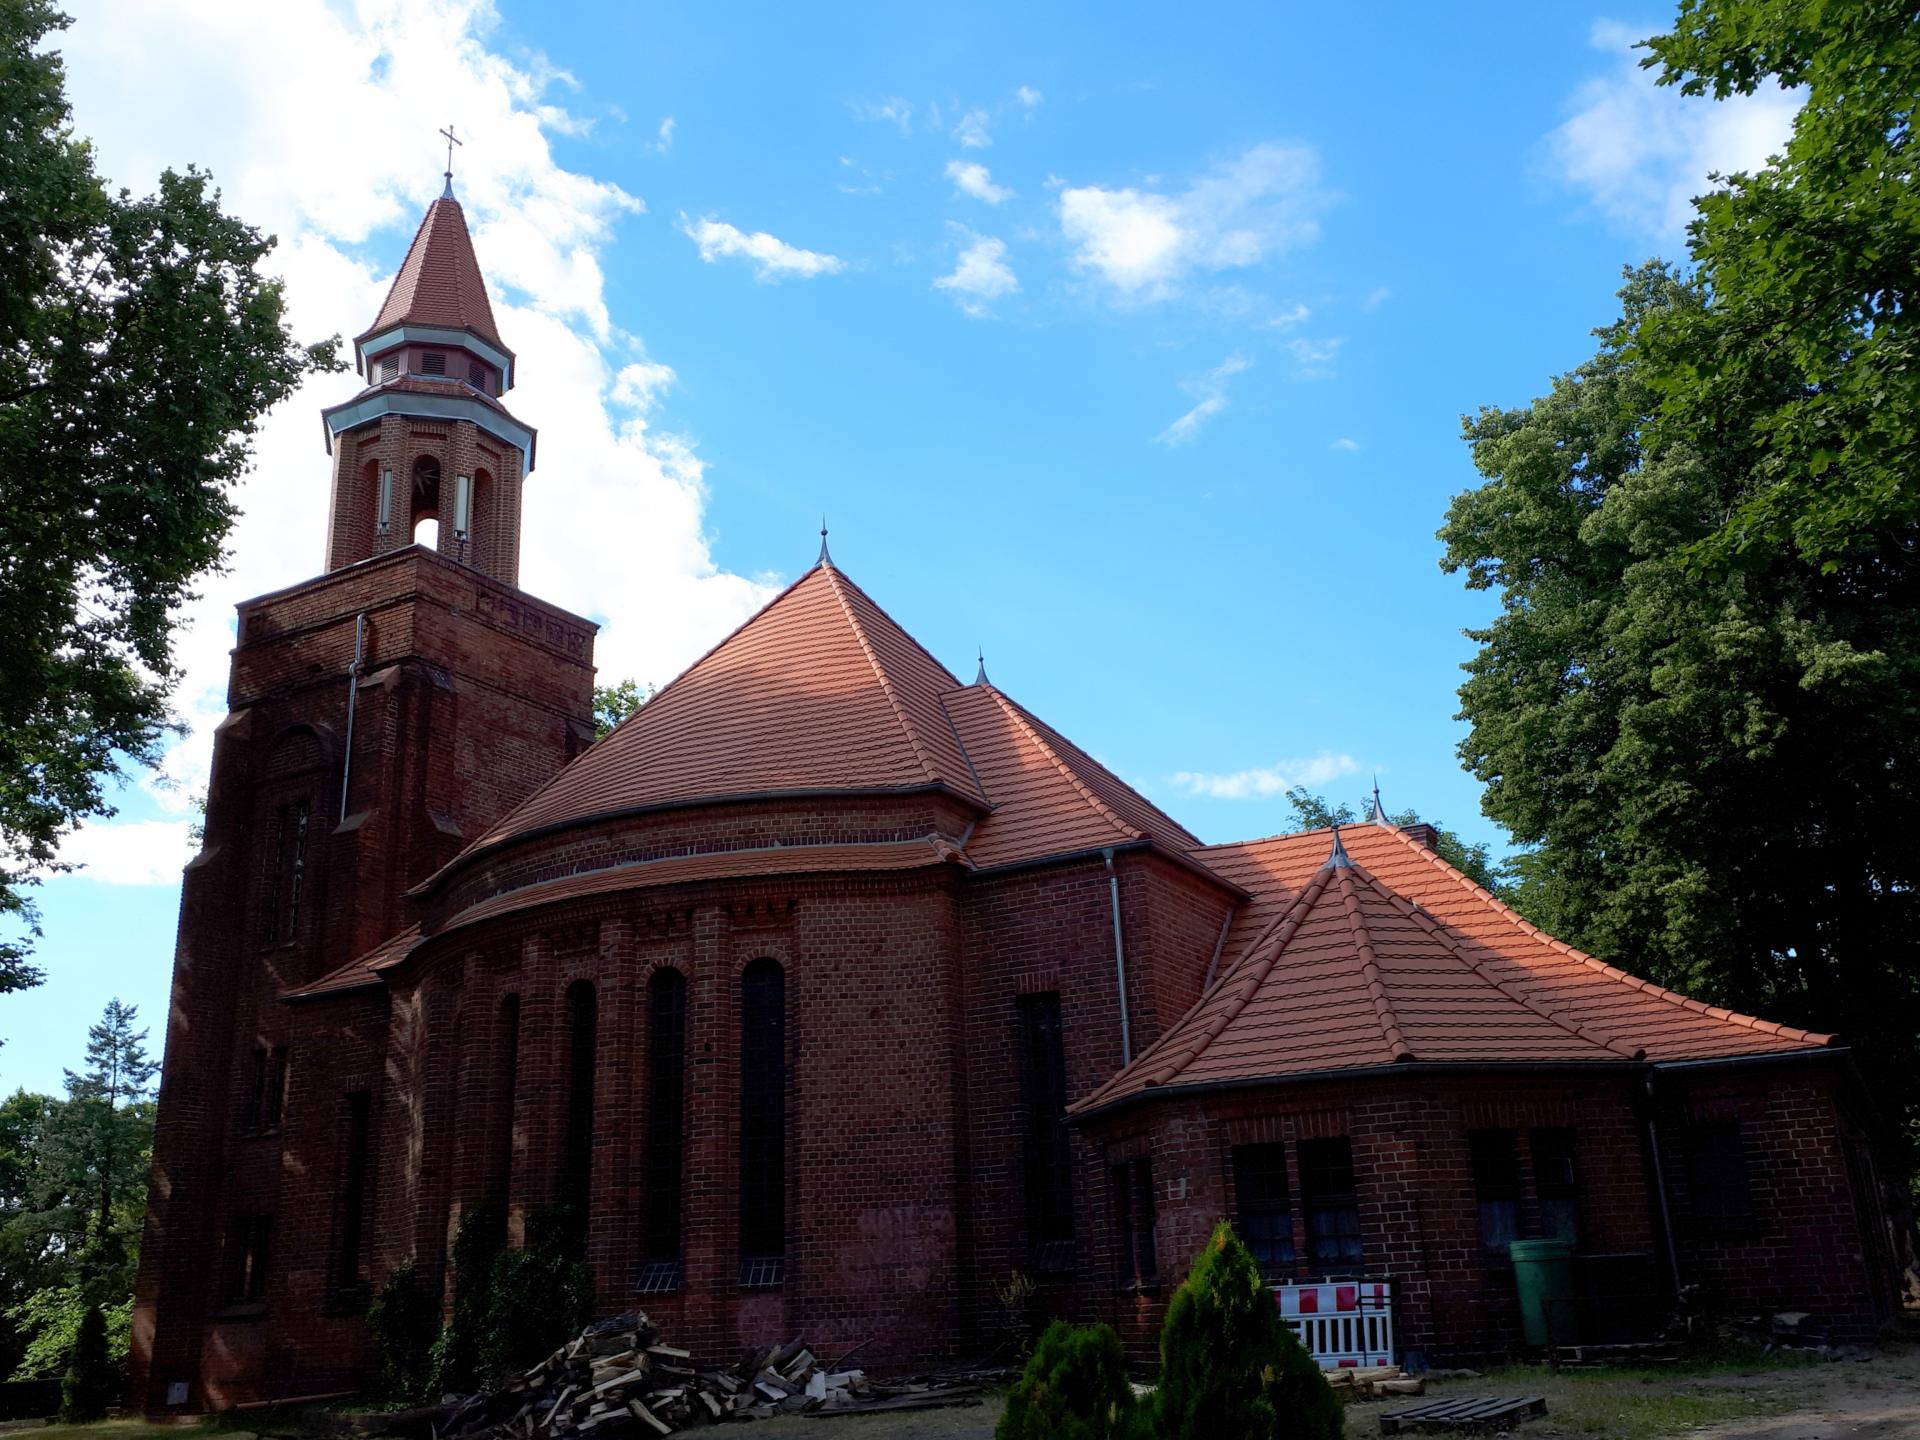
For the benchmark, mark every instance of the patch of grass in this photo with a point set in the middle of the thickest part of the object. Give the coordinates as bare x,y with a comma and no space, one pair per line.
124,1429
1642,1402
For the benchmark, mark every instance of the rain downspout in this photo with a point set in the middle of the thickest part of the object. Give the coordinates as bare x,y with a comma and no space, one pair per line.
353,695
1119,957
1660,1188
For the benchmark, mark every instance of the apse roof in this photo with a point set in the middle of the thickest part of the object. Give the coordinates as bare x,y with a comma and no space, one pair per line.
439,284
1379,953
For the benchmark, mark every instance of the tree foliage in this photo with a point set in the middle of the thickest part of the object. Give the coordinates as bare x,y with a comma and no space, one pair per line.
1718,770
1800,373
1074,1387
614,703
1228,1366
73,1192
1476,862
139,345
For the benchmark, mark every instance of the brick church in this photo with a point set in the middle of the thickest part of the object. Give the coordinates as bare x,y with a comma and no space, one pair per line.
833,990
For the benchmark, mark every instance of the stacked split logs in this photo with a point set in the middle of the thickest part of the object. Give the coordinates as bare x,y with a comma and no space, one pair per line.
619,1380
1366,1381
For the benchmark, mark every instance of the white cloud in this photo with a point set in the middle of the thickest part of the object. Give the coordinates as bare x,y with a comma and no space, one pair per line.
138,852
1296,316
1142,243
1344,443
982,274
1210,391
971,130
772,257
234,86
1375,298
972,178
890,111
665,142
1642,151
1313,358
1268,780
1029,97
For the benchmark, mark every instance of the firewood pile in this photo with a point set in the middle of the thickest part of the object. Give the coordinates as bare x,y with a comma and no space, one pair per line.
621,1380
1365,1382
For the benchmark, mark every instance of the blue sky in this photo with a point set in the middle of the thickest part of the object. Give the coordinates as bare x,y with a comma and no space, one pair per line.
1128,342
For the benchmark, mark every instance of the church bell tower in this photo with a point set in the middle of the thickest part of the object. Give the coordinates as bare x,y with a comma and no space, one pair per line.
381,716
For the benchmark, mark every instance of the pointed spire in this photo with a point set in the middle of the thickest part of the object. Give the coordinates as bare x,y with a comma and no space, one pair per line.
439,283
981,677
1379,815
825,557
1339,859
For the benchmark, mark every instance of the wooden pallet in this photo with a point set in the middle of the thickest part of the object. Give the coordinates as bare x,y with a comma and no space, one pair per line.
1482,1412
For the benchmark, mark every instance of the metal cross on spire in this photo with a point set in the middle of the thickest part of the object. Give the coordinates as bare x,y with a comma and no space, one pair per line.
452,140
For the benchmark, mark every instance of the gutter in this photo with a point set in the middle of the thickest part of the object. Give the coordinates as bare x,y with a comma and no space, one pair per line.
1765,1057
1119,959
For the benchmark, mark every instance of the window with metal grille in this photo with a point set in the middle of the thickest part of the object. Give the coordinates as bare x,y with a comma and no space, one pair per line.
432,362
356,1134
248,1243
1046,1150
1553,1181
1264,1208
666,1122
763,1123
1136,1239
1496,1189
1717,1169
506,1090
390,367
1332,1202
287,881
477,376
583,1016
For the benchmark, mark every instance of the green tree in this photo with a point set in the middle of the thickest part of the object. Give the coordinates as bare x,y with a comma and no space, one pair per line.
139,345
1228,1366
72,1245
1717,771
1074,1387
614,703
1476,862
89,1385
1799,374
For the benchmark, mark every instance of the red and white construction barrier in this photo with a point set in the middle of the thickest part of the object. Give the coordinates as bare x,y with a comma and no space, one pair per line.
1343,1323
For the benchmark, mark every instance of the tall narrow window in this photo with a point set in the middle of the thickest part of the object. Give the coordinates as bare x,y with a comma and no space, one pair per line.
1553,1179
506,1088
356,1126
1136,1237
248,1240
462,506
384,517
267,1100
1332,1202
763,1123
1265,1208
287,883
583,1015
1717,1168
1496,1189
666,1127
1046,1151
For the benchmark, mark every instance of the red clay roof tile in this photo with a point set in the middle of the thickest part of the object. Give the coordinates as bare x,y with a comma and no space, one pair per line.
439,282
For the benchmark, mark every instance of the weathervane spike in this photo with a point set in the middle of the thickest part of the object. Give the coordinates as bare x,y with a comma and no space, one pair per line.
1339,859
1379,816
825,558
981,678
452,140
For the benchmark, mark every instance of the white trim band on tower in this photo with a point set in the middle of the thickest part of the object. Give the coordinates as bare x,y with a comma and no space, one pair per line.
374,404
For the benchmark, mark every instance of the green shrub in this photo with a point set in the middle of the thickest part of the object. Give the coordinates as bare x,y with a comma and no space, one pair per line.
456,1356
1074,1388
90,1384
1229,1367
512,1308
404,1319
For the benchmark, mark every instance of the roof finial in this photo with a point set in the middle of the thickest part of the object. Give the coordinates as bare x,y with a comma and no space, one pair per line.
1379,815
825,558
981,678
1339,859
452,140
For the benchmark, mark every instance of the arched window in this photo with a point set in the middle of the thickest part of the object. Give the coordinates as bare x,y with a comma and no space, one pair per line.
583,1016
763,1123
506,1088
666,1126
424,502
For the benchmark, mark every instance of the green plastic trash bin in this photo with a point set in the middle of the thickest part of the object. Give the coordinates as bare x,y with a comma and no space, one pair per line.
1543,1274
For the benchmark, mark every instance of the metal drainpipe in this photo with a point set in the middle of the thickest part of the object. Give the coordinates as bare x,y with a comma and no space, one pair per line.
1660,1188
1119,957
353,696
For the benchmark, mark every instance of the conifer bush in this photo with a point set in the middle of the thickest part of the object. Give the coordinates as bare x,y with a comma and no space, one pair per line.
88,1387
403,1320
1074,1388
1229,1366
